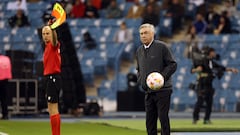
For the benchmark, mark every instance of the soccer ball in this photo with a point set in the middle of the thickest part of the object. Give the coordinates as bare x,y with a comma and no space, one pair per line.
155,81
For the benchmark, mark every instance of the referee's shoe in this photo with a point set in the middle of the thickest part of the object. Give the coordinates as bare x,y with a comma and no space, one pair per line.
4,118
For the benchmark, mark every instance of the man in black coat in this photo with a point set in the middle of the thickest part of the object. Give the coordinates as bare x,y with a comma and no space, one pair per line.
19,20
155,56
207,69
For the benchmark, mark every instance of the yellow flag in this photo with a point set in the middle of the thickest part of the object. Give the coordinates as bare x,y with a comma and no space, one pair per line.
60,15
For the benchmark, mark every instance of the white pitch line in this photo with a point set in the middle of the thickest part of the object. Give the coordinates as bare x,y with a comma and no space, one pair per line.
1,133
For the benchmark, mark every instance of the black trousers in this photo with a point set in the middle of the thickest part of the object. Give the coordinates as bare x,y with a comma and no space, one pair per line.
205,94
208,98
157,106
3,97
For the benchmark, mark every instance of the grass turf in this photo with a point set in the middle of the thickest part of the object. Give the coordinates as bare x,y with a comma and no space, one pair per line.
181,125
83,128
113,126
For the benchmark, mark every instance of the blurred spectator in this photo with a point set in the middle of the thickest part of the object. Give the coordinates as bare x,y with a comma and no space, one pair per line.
6,74
155,5
229,7
212,19
78,9
135,10
123,35
89,42
200,5
105,4
90,10
113,10
192,41
149,16
97,4
235,2
16,5
191,37
224,26
166,3
176,12
196,2
19,19
200,24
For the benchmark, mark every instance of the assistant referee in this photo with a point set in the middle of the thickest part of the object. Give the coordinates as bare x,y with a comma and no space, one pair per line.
52,70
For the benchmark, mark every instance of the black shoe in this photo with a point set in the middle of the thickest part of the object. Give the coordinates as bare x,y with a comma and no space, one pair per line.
4,118
207,122
194,122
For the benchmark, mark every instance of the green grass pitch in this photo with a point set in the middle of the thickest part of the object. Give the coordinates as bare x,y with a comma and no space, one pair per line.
112,126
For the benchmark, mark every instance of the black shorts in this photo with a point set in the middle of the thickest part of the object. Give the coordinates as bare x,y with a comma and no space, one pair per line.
53,87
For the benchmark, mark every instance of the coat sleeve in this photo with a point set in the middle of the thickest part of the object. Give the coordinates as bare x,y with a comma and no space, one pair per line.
137,68
170,65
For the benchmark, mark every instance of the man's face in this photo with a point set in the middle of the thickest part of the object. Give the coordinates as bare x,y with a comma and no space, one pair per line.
212,54
47,34
146,35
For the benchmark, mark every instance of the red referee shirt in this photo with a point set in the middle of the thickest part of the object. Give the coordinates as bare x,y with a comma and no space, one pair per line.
51,59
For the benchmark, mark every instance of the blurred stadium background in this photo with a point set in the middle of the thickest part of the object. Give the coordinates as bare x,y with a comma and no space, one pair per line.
102,76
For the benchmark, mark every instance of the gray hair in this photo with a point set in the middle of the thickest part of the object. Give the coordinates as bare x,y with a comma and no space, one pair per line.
147,25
